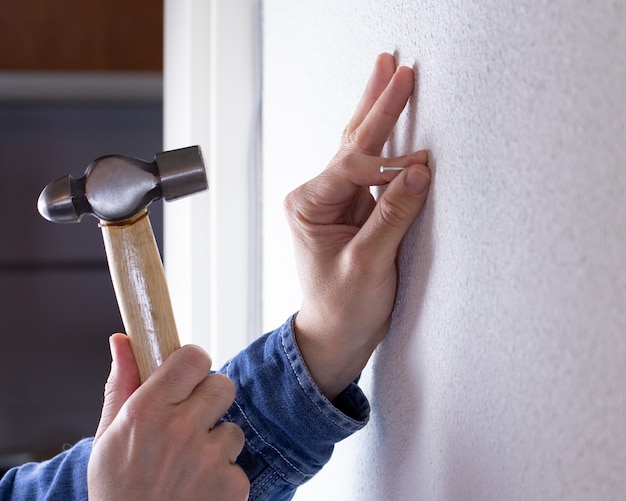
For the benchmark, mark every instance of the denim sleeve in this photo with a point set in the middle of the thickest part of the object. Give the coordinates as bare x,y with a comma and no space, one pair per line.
290,426
61,478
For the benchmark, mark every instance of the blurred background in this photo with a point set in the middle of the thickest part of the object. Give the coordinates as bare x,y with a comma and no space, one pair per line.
78,80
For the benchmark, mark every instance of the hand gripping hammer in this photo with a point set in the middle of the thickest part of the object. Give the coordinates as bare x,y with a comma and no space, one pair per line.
117,190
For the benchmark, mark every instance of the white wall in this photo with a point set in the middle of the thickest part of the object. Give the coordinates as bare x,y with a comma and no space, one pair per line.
504,373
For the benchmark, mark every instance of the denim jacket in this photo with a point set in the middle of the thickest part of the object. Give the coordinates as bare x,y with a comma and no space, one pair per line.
290,428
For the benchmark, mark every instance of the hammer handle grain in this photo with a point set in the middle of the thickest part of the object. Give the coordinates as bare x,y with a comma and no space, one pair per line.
141,291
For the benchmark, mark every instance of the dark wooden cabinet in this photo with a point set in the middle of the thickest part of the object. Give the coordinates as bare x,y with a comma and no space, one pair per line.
81,35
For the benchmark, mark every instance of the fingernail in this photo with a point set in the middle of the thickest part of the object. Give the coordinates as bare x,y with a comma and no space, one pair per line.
417,181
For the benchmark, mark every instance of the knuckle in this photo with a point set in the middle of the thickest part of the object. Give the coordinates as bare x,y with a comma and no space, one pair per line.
349,136
358,141
351,161
394,212
135,416
235,432
291,201
363,262
345,134
295,203
350,139
297,207
195,356
229,439
220,385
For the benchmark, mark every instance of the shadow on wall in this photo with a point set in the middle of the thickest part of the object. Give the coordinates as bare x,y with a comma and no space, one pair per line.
396,387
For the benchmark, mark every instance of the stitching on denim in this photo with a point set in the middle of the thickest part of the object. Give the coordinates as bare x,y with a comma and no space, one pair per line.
270,446
313,401
266,480
245,417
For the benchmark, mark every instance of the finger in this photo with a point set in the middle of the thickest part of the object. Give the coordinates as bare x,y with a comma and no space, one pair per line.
365,170
122,382
374,131
209,400
393,215
231,438
177,377
384,69
359,170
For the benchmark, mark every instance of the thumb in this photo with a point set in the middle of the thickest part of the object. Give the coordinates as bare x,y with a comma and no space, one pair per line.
122,382
394,213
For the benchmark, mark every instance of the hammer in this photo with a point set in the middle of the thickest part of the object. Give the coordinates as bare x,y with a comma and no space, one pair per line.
117,190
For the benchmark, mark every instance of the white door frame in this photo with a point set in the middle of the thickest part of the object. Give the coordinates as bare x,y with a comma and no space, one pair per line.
212,98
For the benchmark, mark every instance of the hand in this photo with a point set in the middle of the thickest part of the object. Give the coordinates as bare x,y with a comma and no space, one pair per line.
160,440
346,243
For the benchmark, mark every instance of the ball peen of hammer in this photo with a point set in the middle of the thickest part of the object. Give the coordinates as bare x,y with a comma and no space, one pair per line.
117,188
117,191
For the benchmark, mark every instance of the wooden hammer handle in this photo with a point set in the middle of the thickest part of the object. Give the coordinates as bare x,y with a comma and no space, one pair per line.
141,291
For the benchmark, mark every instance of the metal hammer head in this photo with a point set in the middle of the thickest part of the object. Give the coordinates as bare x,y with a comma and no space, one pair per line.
116,188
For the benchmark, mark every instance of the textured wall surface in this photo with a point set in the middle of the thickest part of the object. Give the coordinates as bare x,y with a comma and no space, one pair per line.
504,373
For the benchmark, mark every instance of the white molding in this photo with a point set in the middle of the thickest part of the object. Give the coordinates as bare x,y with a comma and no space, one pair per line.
211,98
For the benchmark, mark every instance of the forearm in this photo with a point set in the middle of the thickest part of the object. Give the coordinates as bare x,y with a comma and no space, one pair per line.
333,366
290,427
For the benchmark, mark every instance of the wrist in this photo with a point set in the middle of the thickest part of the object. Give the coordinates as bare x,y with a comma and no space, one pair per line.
333,357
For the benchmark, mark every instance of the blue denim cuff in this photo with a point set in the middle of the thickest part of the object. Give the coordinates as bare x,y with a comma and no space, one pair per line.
290,426
349,411
62,477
